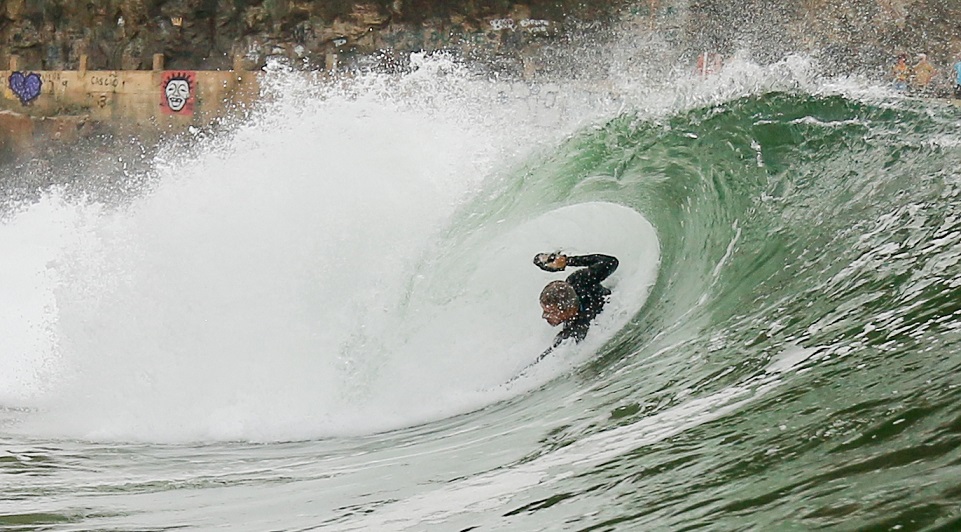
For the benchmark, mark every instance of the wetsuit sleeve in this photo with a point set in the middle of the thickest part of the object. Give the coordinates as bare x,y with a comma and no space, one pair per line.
599,267
561,336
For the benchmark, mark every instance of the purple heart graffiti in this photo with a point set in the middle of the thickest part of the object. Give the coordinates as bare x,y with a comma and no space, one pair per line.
26,87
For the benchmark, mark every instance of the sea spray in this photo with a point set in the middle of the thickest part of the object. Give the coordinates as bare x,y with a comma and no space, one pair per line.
269,282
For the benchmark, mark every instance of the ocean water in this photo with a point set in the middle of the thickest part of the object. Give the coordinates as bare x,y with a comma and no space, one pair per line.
320,318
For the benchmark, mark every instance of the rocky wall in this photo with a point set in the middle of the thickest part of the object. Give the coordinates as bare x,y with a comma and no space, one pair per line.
852,36
210,34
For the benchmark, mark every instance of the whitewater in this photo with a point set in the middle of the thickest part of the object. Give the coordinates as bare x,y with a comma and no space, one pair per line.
320,316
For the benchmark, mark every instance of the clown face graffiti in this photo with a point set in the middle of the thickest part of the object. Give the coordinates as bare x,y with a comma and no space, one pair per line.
177,93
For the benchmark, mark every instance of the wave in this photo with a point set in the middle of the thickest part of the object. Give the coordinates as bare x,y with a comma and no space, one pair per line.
781,345
306,275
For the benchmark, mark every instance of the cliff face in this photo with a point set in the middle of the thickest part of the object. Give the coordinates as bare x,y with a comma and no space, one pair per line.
857,35
210,34
861,36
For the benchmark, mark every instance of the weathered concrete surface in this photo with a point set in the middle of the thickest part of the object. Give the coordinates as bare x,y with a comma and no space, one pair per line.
21,135
133,96
64,106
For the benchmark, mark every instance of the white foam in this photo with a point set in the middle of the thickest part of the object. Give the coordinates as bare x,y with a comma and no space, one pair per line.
266,287
294,280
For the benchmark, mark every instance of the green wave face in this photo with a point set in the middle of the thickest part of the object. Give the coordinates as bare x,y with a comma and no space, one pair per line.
793,366
809,245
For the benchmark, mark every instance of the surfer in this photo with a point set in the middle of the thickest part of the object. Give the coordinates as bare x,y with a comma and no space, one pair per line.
578,299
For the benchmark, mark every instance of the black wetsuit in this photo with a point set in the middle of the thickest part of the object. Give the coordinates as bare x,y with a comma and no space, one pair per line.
593,295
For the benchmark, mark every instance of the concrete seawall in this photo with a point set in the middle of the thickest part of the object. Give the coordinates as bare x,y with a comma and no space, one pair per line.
40,106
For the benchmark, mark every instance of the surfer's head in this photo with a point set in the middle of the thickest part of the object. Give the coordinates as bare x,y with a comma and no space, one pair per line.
560,302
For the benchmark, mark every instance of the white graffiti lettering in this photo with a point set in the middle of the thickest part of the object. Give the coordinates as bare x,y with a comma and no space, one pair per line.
535,24
529,24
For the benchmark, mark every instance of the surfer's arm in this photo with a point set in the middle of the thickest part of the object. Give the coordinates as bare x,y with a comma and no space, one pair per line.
542,355
599,267
577,333
561,336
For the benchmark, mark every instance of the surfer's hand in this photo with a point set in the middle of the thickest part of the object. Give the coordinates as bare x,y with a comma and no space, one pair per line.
551,262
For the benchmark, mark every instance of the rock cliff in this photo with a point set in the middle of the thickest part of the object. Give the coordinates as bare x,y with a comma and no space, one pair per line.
860,36
857,35
212,34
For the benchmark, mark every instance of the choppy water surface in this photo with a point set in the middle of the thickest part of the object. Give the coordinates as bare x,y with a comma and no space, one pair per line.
310,322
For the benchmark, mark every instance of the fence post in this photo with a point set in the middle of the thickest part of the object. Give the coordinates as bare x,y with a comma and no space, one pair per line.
330,61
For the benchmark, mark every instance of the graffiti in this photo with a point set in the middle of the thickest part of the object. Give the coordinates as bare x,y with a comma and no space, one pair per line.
532,25
26,87
253,51
535,25
53,80
179,90
110,80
